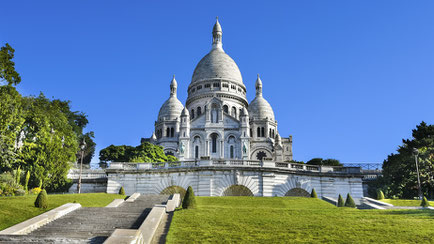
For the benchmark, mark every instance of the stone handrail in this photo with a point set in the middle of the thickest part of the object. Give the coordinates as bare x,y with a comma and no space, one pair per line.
234,163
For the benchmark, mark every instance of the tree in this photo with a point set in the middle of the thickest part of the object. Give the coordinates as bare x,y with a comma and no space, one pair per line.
122,191
7,66
380,194
189,199
424,203
327,162
313,193
399,169
350,202
340,201
145,152
42,200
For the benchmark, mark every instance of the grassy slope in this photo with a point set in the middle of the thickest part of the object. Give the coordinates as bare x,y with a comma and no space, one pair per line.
406,203
14,210
283,220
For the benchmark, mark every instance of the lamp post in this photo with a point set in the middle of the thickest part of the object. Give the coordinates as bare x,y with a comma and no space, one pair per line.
419,189
82,147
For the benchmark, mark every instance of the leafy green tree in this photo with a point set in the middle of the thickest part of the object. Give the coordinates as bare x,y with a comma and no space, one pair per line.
145,152
327,162
7,66
399,169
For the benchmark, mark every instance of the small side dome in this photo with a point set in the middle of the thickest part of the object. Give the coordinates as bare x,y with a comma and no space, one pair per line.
259,108
185,112
245,112
171,109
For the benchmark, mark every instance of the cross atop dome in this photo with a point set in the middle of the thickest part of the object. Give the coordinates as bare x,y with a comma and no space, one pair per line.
217,35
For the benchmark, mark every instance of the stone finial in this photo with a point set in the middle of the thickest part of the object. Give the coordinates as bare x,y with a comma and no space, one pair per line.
173,87
258,86
217,35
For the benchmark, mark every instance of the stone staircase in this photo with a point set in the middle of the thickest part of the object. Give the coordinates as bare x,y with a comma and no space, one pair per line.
90,225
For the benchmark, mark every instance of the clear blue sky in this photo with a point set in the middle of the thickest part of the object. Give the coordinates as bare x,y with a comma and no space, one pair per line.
347,79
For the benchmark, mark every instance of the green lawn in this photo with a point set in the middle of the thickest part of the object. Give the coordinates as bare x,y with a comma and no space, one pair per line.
291,219
14,210
406,203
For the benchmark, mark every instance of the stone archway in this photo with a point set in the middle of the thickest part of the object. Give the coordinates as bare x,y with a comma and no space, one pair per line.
172,190
297,192
237,190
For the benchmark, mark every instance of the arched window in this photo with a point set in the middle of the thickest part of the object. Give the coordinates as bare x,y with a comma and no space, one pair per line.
172,132
240,113
232,151
262,132
269,133
258,132
168,132
214,113
192,114
214,143
199,111
196,152
225,109
251,133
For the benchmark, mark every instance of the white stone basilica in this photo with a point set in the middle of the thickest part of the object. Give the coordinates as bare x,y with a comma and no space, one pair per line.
217,121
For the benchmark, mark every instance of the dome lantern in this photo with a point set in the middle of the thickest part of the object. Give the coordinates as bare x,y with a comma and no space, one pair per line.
217,35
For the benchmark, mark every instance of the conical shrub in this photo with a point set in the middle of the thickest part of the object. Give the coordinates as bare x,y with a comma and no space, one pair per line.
340,201
380,194
122,191
189,199
313,193
42,200
424,203
350,202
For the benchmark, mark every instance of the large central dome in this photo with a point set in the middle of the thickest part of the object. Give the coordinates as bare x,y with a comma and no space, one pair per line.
217,65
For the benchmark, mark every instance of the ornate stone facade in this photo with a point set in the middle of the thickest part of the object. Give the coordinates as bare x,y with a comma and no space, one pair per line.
217,121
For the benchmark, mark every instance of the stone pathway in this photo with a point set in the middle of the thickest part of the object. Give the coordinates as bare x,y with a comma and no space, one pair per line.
91,225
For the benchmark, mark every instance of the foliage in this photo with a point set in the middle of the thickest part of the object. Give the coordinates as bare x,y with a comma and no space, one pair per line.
295,220
295,162
424,203
122,191
145,152
26,184
340,201
404,202
18,175
14,210
7,66
35,191
189,199
380,194
399,170
327,162
313,193
9,185
174,189
350,202
42,200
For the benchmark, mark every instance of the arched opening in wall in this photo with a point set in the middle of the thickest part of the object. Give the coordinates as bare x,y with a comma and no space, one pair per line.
258,132
172,132
234,112
167,132
237,190
225,109
170,153
232,152
262,132
199,111
192,114
172,190
261,155
297,192
214,113
214,142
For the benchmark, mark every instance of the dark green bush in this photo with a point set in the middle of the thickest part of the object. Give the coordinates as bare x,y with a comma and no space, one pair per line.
313,193
340,201
350,202
380,194
122,191
189,199
42,200
424,203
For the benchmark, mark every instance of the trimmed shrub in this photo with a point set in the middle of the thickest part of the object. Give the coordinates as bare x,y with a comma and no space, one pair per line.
27,181
424,203
350,202
189,199
380,194
122,191
42,200
340,201
313,193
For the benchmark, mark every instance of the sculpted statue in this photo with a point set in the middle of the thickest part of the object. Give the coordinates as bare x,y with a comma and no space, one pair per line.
244,147
181,148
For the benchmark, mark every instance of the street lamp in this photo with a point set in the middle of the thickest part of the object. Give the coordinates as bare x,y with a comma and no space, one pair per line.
82,147
419,189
